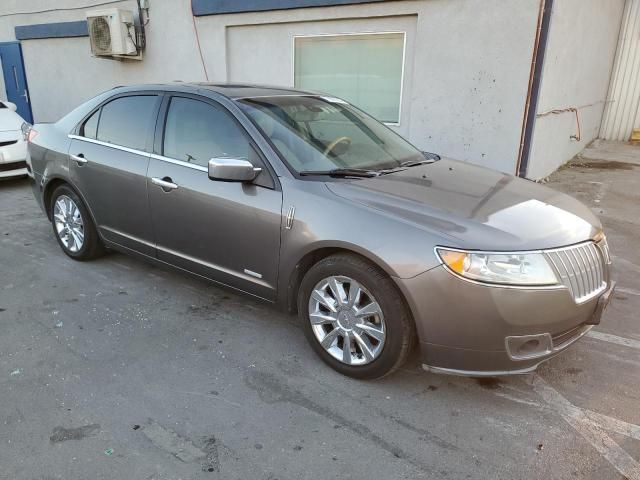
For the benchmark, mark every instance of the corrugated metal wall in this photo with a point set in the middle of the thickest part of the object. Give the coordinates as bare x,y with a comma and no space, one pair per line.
622,113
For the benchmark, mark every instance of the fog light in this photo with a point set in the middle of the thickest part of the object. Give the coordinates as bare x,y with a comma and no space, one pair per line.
526,347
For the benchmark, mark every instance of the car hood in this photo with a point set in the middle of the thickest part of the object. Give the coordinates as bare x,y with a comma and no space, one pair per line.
9,120
476,208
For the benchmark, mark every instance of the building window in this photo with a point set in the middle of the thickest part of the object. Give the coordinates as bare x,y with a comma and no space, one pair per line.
364,69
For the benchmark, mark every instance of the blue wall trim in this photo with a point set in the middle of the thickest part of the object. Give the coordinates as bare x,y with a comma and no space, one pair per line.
52,30
213,7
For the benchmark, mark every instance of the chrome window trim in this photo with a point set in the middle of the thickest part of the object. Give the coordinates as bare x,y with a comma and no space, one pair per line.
179,162
106,144
139,152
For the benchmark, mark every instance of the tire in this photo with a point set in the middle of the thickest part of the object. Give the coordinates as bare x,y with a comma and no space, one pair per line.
91,246
387,351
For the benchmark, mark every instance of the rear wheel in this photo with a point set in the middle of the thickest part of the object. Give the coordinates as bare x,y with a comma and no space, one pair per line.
72,225
354,317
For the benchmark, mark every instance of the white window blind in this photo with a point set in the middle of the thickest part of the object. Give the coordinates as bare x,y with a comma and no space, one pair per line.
364,69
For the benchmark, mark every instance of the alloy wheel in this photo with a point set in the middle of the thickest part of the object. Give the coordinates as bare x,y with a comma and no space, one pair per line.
347,320
69,223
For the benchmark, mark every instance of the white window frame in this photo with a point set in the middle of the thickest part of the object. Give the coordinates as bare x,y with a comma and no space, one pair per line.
347,34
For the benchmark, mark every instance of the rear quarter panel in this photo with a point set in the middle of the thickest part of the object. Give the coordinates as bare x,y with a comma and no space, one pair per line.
47,154
48,158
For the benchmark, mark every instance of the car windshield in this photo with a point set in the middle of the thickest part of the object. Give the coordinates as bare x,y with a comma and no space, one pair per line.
320,134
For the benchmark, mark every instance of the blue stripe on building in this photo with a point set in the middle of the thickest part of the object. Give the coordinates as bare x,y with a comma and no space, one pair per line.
52,30
200,8
213,7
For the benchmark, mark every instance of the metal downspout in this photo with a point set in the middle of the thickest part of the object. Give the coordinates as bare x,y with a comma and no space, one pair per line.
535,80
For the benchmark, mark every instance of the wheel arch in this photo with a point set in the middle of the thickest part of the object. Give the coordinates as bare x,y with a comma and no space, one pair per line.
47,192
316,254
50,187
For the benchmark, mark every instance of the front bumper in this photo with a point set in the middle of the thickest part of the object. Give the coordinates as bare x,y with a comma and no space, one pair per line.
467,329
14,169
13,155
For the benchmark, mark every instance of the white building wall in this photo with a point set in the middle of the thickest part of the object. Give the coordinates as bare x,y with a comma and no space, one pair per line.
578,63
61,72
466,68
622,113
246,46
466,71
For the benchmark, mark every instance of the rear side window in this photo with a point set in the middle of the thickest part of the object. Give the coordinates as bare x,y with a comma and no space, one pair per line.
196,131
90,127
125,121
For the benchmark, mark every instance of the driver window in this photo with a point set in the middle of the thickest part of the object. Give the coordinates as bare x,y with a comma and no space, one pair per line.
196,131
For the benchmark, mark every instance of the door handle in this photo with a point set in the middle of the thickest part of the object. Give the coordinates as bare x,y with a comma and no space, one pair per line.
165,183
79,158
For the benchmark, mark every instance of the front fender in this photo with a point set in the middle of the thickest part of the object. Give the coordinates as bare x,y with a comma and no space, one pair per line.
324,222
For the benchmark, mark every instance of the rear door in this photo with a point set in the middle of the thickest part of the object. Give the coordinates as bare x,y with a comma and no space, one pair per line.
109,158
226,231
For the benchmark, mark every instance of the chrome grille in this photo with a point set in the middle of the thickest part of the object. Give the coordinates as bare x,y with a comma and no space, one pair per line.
581,268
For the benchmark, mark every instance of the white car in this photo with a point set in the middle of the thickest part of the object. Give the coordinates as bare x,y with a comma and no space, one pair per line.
13,147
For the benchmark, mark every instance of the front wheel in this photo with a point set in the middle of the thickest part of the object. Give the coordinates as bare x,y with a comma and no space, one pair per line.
354,317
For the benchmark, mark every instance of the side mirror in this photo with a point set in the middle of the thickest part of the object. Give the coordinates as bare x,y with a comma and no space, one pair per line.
232,170
11,106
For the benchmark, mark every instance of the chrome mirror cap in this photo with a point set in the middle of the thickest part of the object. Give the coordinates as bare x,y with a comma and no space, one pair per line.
232,170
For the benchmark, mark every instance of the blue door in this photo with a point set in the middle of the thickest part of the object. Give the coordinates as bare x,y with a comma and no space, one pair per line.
15,80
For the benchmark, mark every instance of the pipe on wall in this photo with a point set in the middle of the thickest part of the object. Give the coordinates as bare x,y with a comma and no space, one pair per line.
535,80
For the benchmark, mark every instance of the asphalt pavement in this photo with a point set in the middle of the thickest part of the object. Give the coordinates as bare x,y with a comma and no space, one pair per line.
115,369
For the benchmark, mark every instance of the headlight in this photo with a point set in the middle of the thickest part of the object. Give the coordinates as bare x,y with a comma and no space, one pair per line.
502,268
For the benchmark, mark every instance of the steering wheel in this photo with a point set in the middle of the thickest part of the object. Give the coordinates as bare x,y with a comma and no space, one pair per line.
340,140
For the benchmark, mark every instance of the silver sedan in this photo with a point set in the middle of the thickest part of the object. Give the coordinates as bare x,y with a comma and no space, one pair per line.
305,201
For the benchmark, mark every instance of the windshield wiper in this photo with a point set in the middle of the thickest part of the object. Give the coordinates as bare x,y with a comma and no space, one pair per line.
342,172
429,158
415,163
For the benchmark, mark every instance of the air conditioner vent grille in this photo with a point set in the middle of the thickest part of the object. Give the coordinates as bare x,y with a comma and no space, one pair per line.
113,33
100,34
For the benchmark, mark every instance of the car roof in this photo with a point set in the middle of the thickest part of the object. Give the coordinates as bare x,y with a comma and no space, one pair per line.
229,90
239,90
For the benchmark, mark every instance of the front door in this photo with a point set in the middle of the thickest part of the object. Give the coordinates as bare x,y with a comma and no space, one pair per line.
226,231
108,162
15,79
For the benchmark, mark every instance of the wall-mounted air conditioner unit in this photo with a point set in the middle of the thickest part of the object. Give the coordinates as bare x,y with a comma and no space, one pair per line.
112,33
